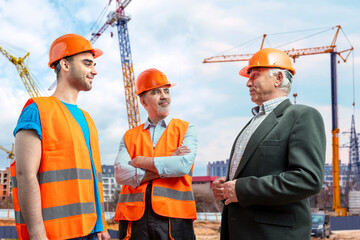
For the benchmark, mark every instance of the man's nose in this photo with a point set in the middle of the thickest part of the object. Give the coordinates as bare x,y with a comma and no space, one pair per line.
163,95
249,83
94,71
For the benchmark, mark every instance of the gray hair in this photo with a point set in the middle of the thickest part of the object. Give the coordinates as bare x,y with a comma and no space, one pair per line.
287,80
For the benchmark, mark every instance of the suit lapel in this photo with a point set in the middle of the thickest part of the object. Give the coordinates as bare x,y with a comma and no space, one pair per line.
260,133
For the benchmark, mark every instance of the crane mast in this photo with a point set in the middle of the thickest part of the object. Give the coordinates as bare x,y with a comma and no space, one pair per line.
295,53
119,20
23,71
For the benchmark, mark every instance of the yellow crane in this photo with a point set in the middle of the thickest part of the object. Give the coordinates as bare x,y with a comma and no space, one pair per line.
21,67
11,154
295,53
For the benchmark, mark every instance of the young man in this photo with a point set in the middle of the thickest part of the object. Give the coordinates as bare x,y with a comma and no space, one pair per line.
57,185
154,165
277,160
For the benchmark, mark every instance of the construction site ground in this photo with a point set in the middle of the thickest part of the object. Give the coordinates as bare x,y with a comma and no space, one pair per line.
209,230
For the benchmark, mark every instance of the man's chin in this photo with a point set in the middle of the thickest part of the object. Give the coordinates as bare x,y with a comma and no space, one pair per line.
163,113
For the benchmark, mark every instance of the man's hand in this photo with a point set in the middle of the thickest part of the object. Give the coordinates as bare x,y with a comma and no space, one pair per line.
229,192
218,188
138,162
103,235
180,151
146,163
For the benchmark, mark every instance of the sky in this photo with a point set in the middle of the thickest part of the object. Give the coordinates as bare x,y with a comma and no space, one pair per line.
175,37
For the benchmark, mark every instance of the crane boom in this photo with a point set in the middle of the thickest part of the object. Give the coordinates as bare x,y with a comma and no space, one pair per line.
119,19
23,71
11,154
294,53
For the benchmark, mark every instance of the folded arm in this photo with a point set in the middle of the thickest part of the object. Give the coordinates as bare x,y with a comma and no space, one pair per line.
176,165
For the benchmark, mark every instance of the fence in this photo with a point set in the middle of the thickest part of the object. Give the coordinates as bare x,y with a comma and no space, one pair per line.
209,216
345,223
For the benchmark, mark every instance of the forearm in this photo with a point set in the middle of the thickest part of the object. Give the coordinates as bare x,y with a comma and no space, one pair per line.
274,190
178,165
30,205
128,175
174,166
125,174
149,176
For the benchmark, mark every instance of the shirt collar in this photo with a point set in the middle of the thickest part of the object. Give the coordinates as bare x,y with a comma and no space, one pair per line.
148,124
267,106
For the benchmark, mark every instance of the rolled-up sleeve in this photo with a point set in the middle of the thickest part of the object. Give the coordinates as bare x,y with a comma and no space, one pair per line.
125,174
177,166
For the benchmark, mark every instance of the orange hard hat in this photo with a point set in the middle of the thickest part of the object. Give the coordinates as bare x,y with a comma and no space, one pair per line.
268,57
150,79
68,45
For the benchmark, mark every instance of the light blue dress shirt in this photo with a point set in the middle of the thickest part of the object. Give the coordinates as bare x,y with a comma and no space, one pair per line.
171,166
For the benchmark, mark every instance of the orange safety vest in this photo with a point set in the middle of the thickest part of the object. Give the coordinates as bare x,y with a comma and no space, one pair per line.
171,197
65,174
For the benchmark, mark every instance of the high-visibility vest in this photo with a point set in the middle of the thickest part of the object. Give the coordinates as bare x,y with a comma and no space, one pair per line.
171,197
65,174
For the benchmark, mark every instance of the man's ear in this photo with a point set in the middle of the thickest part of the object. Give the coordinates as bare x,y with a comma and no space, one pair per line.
65,65
279,79
142,101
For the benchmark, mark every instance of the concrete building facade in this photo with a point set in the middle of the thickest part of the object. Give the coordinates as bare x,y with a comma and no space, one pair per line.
109,183
217,168
4,183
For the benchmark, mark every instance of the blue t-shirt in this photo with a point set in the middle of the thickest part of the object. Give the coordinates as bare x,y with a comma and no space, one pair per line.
30,119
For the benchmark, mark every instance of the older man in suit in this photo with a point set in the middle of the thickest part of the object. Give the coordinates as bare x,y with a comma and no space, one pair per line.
277,160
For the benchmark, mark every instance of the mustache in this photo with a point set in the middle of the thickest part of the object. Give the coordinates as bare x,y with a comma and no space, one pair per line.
165,101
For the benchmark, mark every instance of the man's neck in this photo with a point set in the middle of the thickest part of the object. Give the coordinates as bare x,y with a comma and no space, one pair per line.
66,95
155,121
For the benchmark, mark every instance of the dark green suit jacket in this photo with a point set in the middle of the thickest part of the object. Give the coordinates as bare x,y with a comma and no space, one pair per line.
282,165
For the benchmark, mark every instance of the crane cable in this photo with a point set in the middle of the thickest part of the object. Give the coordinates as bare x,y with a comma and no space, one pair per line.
99,20
242,45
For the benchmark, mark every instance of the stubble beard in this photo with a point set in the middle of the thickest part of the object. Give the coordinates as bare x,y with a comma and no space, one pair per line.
80,80
164,110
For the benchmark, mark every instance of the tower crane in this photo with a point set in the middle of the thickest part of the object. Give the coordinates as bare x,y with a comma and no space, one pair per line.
21,67
295,53
11,154
119,19
354,160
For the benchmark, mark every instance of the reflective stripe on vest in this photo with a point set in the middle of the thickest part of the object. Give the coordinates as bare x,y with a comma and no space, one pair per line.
65,174
61,211
173,194
171,197
62,175
131,197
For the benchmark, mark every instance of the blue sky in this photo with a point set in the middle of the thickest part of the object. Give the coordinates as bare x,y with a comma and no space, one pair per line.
175,37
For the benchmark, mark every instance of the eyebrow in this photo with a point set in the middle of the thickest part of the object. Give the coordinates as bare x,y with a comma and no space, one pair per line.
89,61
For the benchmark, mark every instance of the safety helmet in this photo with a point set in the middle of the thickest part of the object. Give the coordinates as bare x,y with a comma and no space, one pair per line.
150,79
268,57
68,45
